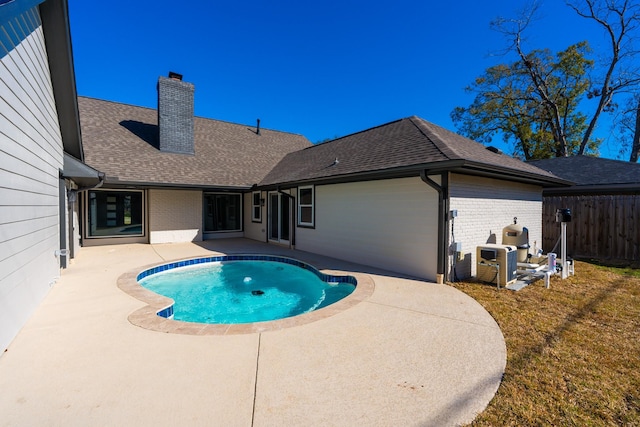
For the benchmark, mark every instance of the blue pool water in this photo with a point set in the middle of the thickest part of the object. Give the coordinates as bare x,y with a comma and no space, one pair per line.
243,291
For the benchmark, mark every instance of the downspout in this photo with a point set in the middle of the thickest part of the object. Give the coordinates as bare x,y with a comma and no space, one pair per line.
291,217
443,218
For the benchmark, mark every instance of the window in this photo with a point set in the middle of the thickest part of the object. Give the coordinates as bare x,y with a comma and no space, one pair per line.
256,207
305,206
222,212
115,213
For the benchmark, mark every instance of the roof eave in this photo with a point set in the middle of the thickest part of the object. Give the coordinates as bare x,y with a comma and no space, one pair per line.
57,34
402,172
493,171
632,188
114,182
459,166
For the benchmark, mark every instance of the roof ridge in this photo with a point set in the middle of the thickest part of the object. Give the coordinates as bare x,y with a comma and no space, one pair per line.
354,133
426,128
115,102
195,116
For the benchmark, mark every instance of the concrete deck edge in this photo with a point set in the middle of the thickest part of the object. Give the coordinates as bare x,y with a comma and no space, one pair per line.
147,317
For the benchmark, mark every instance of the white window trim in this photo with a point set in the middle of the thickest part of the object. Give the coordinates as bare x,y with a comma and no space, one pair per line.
310,205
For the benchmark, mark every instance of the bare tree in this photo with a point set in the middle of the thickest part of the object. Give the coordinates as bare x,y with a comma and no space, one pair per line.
620,20
635,145
628,126
555,87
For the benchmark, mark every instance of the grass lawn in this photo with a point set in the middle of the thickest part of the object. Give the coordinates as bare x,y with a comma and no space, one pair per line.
573,351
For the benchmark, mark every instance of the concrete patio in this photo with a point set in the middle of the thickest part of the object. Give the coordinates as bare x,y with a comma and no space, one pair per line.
412,353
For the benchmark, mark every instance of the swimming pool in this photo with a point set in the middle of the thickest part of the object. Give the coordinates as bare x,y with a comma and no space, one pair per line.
243,288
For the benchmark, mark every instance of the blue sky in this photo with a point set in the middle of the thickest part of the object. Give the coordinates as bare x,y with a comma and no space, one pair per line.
321,69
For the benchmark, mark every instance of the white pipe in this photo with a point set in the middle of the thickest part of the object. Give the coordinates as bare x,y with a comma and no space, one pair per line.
563,250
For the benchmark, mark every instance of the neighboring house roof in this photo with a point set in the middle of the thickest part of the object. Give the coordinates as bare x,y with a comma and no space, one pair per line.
593,174
122,141
402,147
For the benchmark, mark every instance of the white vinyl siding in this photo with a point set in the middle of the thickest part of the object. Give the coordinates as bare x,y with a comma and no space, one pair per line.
485,206
31,155
390,224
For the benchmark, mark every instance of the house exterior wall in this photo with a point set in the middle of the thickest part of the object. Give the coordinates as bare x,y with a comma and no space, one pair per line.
485,206
31,156
175,216
252,229
390,224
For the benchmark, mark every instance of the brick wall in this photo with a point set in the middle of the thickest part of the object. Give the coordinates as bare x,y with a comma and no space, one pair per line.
485,206
175,115
175,216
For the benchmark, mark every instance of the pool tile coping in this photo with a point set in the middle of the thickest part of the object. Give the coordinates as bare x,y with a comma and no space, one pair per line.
147,317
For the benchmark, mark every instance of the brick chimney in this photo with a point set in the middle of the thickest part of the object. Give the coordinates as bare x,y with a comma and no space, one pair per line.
175,114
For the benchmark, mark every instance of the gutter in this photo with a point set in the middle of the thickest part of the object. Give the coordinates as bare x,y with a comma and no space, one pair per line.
443,219
494,171
114,182
460,166
576,190
57,34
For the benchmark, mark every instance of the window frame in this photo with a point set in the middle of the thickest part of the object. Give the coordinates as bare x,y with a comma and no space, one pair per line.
257,218
311,206
87,217
205,207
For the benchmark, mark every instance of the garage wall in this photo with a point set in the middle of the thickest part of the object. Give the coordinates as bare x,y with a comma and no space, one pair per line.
390,224
31,156
485,206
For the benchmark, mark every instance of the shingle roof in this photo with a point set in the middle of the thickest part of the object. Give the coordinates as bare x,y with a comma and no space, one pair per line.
407,144
586,170
121,141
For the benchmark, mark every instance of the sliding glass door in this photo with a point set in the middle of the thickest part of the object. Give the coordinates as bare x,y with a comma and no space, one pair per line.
279,212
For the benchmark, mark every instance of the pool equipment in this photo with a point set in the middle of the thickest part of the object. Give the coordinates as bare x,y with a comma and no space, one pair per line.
497,264
563,216
518,236
531,267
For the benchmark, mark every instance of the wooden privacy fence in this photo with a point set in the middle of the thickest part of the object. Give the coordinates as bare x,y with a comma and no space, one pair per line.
603,227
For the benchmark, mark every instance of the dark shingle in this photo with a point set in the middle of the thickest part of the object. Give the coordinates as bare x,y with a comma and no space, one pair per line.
406,143
122,141
586,170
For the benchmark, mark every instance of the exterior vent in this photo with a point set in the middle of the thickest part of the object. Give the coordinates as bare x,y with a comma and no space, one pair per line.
175,114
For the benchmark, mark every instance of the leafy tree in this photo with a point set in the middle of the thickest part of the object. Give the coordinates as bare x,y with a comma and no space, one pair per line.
532,103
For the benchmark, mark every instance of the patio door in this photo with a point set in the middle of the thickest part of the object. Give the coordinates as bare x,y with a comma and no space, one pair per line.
279,212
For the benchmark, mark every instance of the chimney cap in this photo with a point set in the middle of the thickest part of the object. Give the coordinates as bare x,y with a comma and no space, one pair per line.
175,76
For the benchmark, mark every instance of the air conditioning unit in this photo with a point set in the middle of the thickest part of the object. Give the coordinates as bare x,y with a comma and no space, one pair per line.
497,264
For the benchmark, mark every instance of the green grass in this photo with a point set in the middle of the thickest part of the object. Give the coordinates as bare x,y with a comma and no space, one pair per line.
573,351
